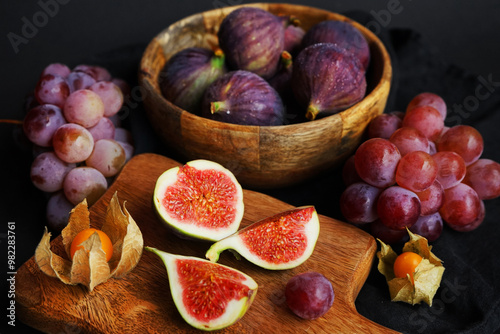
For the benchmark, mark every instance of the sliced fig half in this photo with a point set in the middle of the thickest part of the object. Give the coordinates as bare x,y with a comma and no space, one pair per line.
282,241
208,295
201,200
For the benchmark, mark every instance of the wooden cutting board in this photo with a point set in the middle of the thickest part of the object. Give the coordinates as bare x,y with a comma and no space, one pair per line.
141,302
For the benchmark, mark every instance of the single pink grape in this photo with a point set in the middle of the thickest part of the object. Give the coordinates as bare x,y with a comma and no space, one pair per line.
52,89
84,107
110,94
72,143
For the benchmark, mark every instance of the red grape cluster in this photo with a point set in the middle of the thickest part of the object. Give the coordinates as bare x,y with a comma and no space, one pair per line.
73,122
414,172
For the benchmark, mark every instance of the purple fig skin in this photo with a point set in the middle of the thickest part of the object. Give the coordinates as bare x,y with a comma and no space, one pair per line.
341,33
281,82
282,79
326,80
188,73
294,34
242,97
252,40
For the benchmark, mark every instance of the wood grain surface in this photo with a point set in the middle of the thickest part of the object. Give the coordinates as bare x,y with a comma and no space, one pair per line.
141,302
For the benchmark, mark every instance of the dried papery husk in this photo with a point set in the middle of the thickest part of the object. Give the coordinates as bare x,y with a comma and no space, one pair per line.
125,236
88,265
427,277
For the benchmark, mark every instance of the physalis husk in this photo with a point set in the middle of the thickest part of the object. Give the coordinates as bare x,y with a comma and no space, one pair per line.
88,265
427,277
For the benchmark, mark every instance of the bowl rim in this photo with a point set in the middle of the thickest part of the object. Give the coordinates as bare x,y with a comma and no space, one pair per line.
385,75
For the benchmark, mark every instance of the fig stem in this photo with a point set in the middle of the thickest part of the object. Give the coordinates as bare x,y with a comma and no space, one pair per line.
11,121
295,21
311,113
218,60
286,59
217,106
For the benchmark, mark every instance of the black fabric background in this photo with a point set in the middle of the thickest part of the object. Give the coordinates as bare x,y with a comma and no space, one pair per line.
468,300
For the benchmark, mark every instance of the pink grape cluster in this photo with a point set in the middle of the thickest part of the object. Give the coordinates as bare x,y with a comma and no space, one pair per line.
414,172
73,122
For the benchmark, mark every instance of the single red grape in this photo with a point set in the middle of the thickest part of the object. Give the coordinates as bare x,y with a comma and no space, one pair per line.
463,140
429,227
383,126
451,168
309,295
376,160
409,139
388,235
484,177
461,205
398,207
416,171
474,224
358,203
349,174
429,99
431,199
426,119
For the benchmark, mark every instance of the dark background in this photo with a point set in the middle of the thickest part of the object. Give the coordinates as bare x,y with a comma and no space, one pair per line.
444,46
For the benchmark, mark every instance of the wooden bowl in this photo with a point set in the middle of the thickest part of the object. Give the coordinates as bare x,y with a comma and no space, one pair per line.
260,156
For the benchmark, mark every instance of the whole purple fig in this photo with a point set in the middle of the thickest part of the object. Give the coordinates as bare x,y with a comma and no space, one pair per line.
188,73
326,79
252,40
242,97
341,33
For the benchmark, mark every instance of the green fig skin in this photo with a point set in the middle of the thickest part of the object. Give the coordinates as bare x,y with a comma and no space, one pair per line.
188,73
326,79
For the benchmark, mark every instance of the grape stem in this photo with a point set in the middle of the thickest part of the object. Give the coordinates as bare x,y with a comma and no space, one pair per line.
11,121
